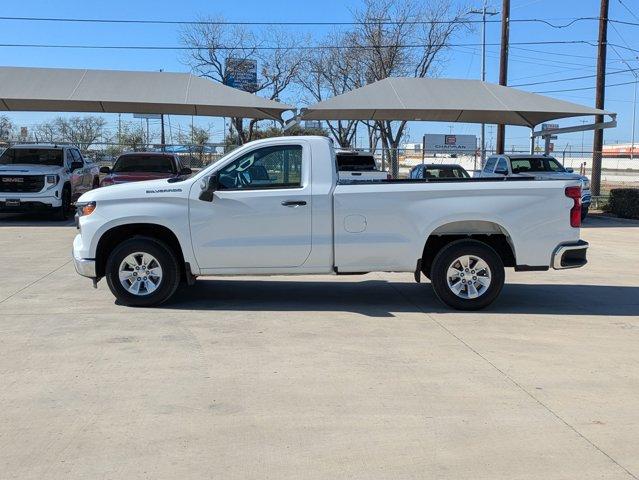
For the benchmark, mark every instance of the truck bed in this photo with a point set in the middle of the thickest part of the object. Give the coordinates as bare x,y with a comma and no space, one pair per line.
397,216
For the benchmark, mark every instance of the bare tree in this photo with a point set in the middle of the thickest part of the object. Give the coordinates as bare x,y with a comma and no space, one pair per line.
277,65
80,131
328,72
197,138
7,130
401,38
133,137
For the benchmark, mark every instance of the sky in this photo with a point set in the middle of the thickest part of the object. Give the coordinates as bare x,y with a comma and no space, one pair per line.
527,63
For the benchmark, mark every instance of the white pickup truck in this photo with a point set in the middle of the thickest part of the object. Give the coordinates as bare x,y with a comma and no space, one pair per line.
298,218
44,178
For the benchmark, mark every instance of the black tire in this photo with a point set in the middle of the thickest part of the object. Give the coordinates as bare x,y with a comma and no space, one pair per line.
584,213
96,183
62,213
167,260
455,250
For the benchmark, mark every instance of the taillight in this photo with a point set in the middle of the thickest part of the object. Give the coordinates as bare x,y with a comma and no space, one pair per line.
575,211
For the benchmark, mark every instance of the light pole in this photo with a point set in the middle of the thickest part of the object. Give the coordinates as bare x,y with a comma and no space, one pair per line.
483,12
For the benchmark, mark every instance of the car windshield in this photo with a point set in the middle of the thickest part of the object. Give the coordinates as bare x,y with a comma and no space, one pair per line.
536,164
354,162
445,172
32,156
144,163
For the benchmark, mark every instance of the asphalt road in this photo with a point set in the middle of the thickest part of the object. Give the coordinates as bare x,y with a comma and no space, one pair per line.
318,377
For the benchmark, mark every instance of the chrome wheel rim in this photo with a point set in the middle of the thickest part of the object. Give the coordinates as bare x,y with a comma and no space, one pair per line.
140,273
469,277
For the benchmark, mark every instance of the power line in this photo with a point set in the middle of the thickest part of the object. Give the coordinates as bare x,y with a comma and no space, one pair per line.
628,8
289,47
586,88
572,78
548,22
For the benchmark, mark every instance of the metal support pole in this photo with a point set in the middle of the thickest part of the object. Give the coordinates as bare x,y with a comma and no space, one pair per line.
597,146
532,141
634,119
503,66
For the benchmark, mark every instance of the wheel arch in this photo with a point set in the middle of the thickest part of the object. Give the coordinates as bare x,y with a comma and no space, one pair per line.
491,233
116,234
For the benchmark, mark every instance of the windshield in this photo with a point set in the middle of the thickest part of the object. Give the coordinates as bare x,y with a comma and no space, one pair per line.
32,156
445,172
536,164
144,163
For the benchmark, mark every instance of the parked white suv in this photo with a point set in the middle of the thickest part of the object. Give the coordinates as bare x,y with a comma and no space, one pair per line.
44,178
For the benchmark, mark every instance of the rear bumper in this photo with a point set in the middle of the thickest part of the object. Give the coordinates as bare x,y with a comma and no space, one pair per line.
570,255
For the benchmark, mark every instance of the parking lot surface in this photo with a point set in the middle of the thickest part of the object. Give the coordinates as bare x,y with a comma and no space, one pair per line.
318,377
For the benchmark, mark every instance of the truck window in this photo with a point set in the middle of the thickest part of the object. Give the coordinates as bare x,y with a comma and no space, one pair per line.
490,165
278,166
536,164
502,166
354,162
32,156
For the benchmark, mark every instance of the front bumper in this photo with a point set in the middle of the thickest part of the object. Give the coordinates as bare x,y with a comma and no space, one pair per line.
570,255
84,266
27,206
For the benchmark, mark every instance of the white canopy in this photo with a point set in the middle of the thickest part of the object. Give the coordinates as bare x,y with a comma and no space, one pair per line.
113,91
445,100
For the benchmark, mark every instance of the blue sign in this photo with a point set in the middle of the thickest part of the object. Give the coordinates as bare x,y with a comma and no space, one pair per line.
241,73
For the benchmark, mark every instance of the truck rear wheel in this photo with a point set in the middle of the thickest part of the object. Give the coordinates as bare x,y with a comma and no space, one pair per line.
142,272
467,275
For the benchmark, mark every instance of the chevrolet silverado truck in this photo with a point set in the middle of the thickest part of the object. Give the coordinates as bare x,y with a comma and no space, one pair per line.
232,219
44,178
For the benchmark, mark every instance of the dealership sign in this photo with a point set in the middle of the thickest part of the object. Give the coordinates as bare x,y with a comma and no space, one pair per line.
241,73
450,143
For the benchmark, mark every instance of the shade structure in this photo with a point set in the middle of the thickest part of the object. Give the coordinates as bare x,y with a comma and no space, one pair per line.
115,91
445,100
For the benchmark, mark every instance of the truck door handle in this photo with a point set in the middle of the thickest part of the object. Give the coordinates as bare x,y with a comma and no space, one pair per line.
293,203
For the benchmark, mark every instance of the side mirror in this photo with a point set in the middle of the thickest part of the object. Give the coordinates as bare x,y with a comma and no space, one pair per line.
186,171
209,186
106,170
570,170
76,165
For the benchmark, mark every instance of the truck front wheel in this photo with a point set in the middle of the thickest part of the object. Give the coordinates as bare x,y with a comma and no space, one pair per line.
142,272
467,275
64,211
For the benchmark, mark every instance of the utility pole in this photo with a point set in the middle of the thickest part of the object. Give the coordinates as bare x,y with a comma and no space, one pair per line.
162,131
503,65
597,144
483,12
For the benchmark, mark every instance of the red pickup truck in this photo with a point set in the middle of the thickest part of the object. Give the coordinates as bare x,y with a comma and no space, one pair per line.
139,166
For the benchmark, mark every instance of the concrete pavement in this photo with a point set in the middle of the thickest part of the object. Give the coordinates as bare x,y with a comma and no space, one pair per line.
318,377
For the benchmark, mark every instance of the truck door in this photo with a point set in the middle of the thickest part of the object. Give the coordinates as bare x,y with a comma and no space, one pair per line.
77,173
260,215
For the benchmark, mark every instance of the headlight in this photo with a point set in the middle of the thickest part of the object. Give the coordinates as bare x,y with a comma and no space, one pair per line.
52,179
85,209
